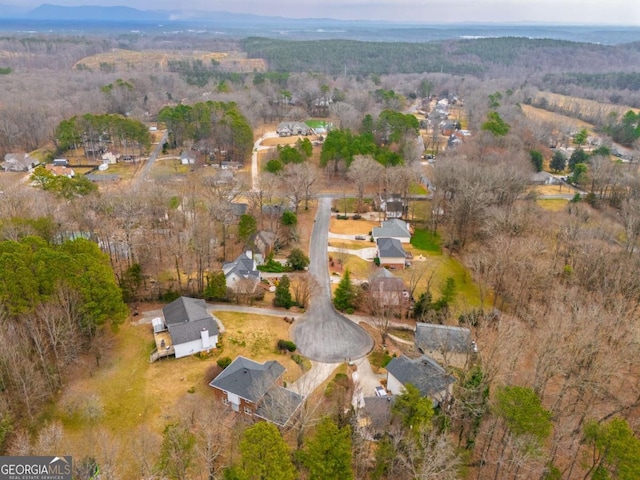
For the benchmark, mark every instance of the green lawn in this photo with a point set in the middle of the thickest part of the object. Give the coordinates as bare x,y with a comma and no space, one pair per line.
417,189
427,241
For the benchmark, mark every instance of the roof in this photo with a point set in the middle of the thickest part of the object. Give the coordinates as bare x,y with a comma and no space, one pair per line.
395,206
390,247
243,266
424,373
186,318
248,379
431,337
278,405
378,411
184,310
385,281
239,208
392,228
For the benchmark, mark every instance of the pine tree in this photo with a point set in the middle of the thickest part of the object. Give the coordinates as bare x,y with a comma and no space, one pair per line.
283,293
345,295
265,454
328,453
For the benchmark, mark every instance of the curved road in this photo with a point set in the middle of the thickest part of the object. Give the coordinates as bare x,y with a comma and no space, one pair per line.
323,334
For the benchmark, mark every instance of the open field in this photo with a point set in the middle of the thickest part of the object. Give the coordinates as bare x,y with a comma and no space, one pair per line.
125,170
150,60
355,245
543,115
553,204
577,104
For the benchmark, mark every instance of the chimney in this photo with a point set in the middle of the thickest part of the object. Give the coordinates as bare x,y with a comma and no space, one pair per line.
249,254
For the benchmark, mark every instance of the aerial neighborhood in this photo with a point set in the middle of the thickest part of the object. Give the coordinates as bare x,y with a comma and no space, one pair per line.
300,256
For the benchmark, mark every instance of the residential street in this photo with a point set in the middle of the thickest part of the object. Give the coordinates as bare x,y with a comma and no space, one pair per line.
323,334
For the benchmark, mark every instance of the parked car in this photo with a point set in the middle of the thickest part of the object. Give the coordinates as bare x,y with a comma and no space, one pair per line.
360,237
380,391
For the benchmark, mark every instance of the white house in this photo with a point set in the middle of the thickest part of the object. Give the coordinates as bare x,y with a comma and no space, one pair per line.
393,228
242,274
191,329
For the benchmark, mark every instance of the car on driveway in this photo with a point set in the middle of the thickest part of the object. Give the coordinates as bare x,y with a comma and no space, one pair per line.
360,237
380,391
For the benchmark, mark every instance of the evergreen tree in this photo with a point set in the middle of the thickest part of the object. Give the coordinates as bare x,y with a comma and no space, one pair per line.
247,226
537,160
283,293
578,156
558,161
216,288
328,453
265,454
618,450
345,295
414,410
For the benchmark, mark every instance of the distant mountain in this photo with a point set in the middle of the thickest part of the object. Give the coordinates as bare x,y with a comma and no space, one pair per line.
95,13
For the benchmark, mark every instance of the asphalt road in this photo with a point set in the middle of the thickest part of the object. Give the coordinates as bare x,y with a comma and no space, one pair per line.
323,334
146,168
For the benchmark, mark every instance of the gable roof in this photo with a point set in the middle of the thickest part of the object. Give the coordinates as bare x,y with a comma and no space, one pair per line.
248,379
431,337
378,412
390,247
18,161
392,228
424,373
278,405
185,309
243,266
186,318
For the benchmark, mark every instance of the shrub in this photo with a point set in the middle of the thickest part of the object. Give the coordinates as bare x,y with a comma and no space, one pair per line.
357,217
169,296
224,362
286,345
342,217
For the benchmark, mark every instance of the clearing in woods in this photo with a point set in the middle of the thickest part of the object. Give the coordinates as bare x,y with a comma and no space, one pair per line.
149,60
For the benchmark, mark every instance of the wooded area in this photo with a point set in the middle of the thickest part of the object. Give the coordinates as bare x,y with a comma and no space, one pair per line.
553,391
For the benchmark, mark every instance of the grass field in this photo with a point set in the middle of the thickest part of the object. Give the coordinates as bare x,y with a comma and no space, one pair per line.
150,60
351,227
555,118
355,245
126,391
426,241
553,204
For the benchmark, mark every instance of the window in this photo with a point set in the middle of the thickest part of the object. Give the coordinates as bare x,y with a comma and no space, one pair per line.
225,400
248,411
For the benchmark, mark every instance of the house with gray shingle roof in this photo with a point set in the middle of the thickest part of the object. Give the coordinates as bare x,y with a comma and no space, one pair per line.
388,290
424,373
19,162
393,228
187,329
255,389
442,338
391,253
242,274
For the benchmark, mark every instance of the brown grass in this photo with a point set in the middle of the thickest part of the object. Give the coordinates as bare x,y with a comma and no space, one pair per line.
554,189
553,204
352,227
150,60
582,104
555,118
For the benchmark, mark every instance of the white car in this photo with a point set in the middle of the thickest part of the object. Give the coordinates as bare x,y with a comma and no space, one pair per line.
380,391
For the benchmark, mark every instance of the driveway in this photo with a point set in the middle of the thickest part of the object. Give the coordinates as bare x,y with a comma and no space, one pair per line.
323,334
255,172
367,254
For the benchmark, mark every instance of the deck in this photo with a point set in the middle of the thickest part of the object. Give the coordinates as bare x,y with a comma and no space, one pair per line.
164,347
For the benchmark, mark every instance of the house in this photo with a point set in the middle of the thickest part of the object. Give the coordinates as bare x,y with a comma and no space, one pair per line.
19,162
187,329
441,338
255,389
187,158
286,129
242,274
424,373
392,205
543,178
391,253
376,417
60,170
388,290
393,228
263,243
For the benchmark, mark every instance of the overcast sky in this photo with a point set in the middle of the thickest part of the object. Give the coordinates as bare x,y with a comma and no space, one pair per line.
610,12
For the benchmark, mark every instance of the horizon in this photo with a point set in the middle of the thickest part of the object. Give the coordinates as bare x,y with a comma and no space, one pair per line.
616,13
